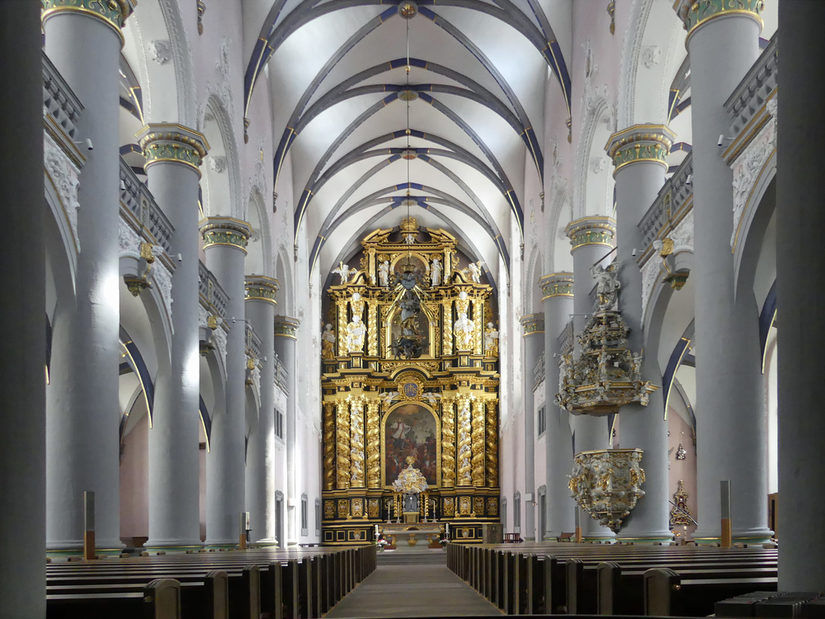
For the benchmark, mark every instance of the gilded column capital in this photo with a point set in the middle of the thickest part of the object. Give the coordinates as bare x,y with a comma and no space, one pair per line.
225,231
112,12
591,230
695,13
261,288
640,143
286,326
174,143
531,324
556,285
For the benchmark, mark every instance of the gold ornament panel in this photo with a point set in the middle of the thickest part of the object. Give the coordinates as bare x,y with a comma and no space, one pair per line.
381,407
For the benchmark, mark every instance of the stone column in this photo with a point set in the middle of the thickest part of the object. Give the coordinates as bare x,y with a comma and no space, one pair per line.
82,409
224,243
286,335
260,452
22,444
723,44
639,154
557,294
173,156
591,238
799,258
533,332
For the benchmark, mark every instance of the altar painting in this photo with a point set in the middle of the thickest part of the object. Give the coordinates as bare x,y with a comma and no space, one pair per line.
410,430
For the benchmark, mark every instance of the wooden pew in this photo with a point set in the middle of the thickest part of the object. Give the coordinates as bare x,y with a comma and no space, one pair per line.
667,593
159,599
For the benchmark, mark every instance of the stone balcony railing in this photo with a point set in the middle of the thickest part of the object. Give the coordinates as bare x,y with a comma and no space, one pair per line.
59,101
538,372
211,293
253,342
754,90
281,376
147,216
675,198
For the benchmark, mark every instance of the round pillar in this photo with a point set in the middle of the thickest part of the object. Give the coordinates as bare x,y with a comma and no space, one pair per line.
260,455
533,332
286,335
82,408
557,294
591,239
224,243
731,439
22,444
799,260
639,154
173,156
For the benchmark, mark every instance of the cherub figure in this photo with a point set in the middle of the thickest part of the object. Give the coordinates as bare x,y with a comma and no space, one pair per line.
344,272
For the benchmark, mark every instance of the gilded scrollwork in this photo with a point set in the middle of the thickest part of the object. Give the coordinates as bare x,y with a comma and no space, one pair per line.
447,444
342,445
492,443
329,446
373,445
447,331
357,443
478,442
464,456
372,329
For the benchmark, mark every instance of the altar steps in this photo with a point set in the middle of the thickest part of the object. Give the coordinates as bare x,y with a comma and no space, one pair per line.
425,557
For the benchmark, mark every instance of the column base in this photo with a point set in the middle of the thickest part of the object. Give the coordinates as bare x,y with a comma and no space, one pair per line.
600,539
172,546
268,542
646,538
219,546
758,535
74,548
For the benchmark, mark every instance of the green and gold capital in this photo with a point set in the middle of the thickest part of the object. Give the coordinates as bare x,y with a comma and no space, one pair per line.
112,12
170,142
556,285
695,13
261,288
225,231
640,143
287,327
591,230
532,324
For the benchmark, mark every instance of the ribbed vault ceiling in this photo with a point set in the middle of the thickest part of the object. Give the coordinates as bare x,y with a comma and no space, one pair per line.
342,93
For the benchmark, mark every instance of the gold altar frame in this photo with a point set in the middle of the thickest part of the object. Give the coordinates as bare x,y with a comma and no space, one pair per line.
388,485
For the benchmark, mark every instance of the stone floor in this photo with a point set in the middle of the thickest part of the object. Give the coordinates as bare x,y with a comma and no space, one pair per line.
413,585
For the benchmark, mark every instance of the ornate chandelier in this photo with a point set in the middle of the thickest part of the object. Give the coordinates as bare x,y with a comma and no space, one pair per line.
606,483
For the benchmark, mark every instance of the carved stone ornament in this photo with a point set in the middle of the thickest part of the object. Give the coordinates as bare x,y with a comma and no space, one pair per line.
65,177
607,484
747,169
160,51
651,56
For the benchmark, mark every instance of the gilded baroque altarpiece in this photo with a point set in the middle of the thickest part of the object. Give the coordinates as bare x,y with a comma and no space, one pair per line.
409,375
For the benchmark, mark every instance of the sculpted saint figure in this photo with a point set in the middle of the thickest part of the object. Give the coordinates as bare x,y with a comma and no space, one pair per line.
607,287
384,274
491,339
463,329
328,342
435,272
355,335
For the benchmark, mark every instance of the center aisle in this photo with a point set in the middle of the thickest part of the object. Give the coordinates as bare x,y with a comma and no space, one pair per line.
412,585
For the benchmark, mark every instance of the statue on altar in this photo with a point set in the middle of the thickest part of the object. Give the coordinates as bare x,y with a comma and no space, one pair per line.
410,480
